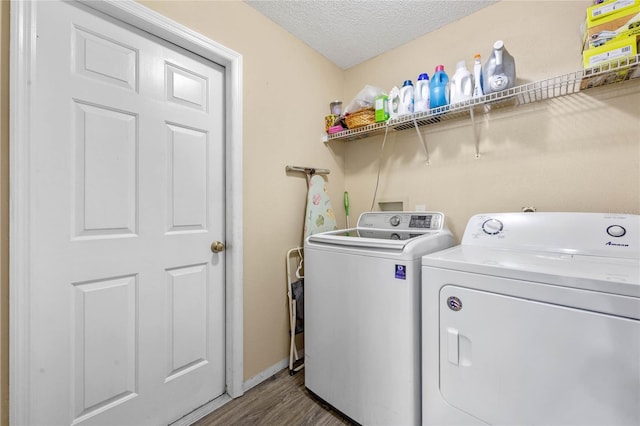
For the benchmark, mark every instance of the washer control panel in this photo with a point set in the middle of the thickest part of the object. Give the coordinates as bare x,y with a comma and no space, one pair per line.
418,221
574,233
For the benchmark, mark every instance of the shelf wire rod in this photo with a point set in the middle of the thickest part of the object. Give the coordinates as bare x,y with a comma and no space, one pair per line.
476,137
384,141
422,141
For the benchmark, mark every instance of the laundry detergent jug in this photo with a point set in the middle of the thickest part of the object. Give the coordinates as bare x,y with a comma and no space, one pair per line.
500,70
393,103
421,98
406,98
439,88
461,84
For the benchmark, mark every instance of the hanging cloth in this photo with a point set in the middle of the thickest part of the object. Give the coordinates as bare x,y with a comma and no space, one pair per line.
320,216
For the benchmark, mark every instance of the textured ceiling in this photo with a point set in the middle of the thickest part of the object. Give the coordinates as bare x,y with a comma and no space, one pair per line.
349,32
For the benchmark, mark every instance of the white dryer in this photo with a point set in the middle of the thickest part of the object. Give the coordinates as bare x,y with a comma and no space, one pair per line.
362,314
534,319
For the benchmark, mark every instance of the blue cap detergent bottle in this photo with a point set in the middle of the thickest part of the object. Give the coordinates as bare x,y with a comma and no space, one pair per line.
439,88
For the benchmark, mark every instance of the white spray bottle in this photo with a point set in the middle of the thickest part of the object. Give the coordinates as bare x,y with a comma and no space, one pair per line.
477,77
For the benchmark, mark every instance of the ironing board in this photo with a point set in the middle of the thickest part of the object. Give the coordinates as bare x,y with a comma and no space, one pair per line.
320,216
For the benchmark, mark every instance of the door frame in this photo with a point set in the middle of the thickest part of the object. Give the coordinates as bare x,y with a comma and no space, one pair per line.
22,74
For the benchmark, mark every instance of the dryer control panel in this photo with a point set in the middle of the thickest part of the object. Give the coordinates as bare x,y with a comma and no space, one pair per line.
595,234
415,221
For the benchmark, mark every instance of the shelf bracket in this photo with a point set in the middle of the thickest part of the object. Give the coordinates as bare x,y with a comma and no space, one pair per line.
476,137
422,141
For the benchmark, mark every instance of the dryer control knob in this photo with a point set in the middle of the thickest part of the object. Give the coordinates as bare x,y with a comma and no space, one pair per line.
616,231
492,226
395,220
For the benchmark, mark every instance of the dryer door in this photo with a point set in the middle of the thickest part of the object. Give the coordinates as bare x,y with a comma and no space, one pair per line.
507,361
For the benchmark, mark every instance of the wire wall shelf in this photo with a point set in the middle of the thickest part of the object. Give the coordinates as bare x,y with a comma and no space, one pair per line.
617,71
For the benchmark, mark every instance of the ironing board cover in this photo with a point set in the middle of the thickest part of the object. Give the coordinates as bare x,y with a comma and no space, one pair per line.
319,216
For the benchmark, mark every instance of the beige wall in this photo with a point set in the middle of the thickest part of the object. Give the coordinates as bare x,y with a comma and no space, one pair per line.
580,153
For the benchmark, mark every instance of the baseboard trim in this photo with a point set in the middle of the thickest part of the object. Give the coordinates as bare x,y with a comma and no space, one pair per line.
265,374
211,406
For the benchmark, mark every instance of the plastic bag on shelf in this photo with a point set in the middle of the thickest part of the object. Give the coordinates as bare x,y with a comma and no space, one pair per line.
364,99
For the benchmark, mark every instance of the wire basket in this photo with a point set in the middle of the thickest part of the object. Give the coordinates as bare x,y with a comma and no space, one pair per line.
360,118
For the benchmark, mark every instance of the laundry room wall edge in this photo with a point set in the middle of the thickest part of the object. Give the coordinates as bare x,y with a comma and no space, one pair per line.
577,153
4,213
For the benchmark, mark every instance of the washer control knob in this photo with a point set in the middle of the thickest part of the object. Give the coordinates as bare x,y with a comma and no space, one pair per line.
395,220
616,231
492,226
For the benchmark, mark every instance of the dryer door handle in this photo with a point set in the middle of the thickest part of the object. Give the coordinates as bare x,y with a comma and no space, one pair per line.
453,346
458,348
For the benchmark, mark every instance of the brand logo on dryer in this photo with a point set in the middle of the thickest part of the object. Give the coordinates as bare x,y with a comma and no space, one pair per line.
616,244
454,303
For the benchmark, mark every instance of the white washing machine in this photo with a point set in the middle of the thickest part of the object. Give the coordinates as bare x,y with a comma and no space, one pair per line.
362,314
534,320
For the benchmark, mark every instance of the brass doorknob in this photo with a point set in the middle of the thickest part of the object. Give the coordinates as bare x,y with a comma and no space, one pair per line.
217,246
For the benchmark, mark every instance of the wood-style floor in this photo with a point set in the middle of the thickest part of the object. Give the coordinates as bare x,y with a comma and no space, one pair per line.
279,400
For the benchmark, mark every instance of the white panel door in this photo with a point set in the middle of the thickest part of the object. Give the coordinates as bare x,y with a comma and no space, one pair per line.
127,304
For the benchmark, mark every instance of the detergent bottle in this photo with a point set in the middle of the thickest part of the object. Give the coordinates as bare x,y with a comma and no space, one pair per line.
500,70
406,98
439,88
477,77
461,84
421,97
381,107
393,103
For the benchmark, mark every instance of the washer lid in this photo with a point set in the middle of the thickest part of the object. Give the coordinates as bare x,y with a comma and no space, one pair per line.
369,238
605,274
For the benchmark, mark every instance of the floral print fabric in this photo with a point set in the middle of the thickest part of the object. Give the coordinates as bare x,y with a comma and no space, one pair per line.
320,216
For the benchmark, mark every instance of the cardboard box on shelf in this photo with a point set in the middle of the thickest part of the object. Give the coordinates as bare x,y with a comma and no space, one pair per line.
608,30
611,9
633,33
610,51
614,62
